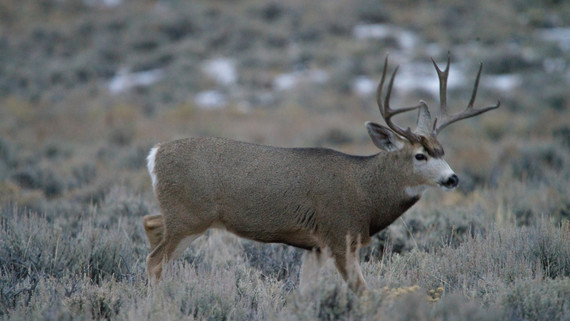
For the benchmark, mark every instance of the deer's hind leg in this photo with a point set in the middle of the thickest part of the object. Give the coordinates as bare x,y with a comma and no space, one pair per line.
154,228
170,248
175,238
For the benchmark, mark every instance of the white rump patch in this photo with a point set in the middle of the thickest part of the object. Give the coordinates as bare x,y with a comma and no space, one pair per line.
150,162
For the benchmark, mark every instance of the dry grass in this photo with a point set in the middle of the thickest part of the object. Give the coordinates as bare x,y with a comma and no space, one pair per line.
73,183
93,268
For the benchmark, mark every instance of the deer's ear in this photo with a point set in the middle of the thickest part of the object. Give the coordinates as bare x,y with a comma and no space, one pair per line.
383,137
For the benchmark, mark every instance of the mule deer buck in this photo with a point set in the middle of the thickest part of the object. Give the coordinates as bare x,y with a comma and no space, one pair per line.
311,198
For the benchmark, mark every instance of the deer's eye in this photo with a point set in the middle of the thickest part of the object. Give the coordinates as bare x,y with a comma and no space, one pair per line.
421,157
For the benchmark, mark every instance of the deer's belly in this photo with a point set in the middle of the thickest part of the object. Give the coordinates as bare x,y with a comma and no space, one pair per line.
301,239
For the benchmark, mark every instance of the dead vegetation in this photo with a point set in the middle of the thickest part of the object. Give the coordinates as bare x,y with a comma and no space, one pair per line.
73,187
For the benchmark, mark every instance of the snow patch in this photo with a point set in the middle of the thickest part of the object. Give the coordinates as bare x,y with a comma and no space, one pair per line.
422,76
125,80
210,99
222,70
406,39
105,3
291,80
363,86
561,36
552,65
505,82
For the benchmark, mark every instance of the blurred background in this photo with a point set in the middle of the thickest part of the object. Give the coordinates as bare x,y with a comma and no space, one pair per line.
87,87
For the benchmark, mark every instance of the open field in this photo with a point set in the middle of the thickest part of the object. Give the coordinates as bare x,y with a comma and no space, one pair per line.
87,88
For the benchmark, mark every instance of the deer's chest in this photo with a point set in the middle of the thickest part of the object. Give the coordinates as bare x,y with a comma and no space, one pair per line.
386,216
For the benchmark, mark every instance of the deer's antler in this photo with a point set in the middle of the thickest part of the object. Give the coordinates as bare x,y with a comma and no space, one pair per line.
388,112
444,119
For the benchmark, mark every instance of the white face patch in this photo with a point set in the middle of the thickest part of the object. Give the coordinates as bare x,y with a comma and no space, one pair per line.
434,171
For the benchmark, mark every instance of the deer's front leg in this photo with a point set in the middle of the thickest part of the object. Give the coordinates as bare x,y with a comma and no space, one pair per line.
347,262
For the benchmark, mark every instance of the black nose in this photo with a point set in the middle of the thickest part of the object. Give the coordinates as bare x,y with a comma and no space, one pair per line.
452,181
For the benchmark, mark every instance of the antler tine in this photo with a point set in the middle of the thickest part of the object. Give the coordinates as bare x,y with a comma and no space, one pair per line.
388,112
380,86
447,119
475,87
442,75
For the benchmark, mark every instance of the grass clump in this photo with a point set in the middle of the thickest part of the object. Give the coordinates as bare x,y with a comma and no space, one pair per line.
540,299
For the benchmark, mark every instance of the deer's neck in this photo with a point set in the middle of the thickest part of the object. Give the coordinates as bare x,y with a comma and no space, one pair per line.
391,189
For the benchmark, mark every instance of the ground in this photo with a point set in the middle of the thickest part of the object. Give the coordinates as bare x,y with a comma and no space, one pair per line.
87,88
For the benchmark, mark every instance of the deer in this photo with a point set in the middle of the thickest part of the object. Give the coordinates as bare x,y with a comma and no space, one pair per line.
315,199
